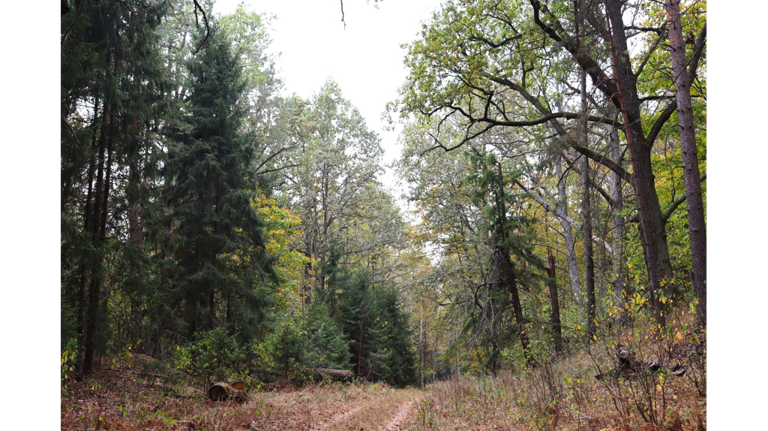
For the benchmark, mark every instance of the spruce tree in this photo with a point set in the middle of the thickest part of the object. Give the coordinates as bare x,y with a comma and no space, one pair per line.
111,99
396,338
220,252
326,346
380,339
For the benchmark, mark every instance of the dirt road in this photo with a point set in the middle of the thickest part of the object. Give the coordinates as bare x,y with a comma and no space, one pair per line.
387,410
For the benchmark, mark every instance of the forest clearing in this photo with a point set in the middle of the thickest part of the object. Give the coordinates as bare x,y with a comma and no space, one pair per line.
517,241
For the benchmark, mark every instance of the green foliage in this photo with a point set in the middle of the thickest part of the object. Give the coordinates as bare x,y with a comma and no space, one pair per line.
378,330
492,192
221,247
326,346
288,345
69,355
215,355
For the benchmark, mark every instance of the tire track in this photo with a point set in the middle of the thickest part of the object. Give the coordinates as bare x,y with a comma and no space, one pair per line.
402,414
335,419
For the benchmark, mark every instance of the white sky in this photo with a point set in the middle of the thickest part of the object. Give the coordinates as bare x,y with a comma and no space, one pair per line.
364,58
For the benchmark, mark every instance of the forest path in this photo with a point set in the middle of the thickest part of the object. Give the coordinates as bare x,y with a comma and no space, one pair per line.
387,410
396,423
152,404
335,419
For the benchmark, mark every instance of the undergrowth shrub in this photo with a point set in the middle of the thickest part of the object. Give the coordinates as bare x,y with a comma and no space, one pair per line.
215,355
69,355
639,364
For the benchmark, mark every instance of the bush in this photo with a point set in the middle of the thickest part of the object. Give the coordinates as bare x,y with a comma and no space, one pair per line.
215,356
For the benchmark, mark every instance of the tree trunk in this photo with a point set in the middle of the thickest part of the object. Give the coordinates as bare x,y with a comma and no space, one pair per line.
622,92
694,200
421,350
554,304
87,215
570,244
94,293
586,213
222,391
656,250
505,277
620,283
360,344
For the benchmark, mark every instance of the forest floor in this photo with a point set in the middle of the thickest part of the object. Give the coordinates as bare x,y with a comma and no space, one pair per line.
127,395
138,393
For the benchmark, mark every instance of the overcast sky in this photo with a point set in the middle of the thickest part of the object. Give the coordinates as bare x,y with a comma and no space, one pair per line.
365,58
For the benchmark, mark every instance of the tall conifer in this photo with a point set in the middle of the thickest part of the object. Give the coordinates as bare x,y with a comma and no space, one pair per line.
221,251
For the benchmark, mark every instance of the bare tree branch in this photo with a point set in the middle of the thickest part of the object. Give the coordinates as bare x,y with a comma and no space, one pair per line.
661,32
549,207
207,27
698,49
659,123
668,213
72,131
671,210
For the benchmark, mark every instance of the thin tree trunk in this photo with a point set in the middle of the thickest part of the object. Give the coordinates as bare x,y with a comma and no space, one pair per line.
82,304
589,264
570,244
620,282
586,213
692,176
360,344
95,285
421,350
554,304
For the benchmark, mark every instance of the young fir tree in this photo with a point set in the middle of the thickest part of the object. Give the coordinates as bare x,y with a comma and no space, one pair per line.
396,339
380,339
326,346
221,256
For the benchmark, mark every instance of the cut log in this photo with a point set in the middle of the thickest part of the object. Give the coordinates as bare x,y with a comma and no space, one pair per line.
222,391
336,375
237,384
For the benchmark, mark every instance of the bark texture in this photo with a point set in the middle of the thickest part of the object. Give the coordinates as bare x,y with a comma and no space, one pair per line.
692,176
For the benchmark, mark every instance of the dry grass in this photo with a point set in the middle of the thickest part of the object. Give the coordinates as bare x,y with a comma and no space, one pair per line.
386,410
564,395
514,402
129,397
137,394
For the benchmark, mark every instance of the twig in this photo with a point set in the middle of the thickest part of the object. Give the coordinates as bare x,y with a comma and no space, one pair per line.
72,131
74,20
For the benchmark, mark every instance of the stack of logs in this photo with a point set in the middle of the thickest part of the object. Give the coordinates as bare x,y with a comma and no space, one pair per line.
235,389
230,390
